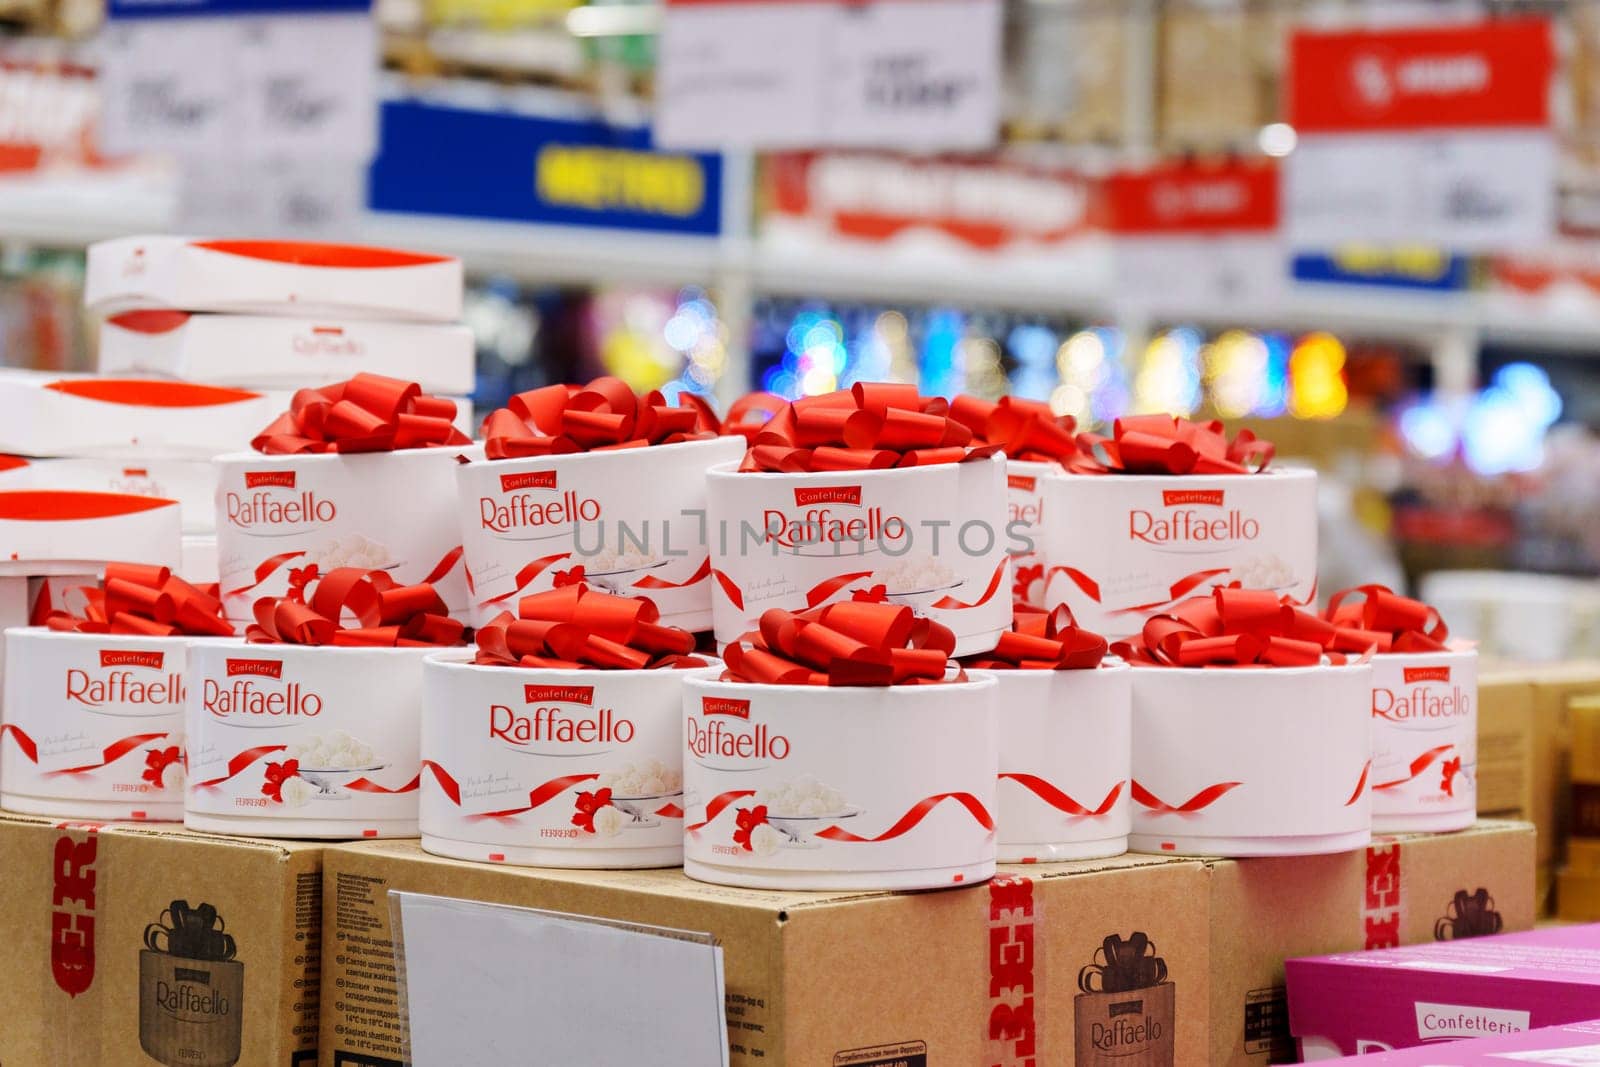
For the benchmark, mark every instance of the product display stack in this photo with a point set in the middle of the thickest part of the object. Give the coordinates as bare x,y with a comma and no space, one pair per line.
248,319
630,660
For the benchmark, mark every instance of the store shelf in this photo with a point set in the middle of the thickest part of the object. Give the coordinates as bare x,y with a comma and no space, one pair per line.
560,254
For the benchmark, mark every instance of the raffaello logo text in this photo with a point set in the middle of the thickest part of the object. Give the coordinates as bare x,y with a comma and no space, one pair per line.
326,341
270,501
254,694
1425,696
822,524
526,507
125,679
549,722
723,730
1181,520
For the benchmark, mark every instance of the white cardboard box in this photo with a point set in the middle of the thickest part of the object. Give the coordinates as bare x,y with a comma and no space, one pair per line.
1121,547
190,482
283,352
302,741
394,511
128,418
554,768
808,787
932,538
271,277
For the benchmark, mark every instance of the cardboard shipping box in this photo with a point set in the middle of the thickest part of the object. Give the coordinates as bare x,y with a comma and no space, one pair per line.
1404,889
1008,972
1505,744
143,943
1536,787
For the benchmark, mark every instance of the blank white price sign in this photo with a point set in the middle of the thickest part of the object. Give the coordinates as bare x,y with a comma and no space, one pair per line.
498,985
241,78
918,74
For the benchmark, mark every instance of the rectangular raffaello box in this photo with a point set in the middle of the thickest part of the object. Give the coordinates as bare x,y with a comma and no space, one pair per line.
284,352
271,277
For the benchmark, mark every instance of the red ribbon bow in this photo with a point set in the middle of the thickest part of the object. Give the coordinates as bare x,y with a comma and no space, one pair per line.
1240,627
737,422
368,413
1165,444
1387,621
869,427
1025,429
1040,639
386,614
136,598
605,414
575,627
854,643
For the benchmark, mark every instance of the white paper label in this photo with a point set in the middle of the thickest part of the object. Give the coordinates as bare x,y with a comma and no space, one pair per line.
1465,190
896,73
485,983
299,84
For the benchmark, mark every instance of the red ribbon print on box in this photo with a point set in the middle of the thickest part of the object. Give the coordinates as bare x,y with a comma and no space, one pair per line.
1165,444
1061,801
587,802
747,819
109,755
1240,627
1387,621
138,599
851,643
871,426
605,414
368,413
386,614
575,627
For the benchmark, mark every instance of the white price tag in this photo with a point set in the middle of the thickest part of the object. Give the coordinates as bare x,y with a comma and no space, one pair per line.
323,197
1469,191
919,74
248,85
1182,275
310,85
1432,134
152,104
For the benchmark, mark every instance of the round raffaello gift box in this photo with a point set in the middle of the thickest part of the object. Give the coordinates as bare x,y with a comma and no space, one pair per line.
804,768
1271,759
1170,508
598,483
93,720
359,474
1064,714
1035,440
560,742
312,728
1424,711
872,493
